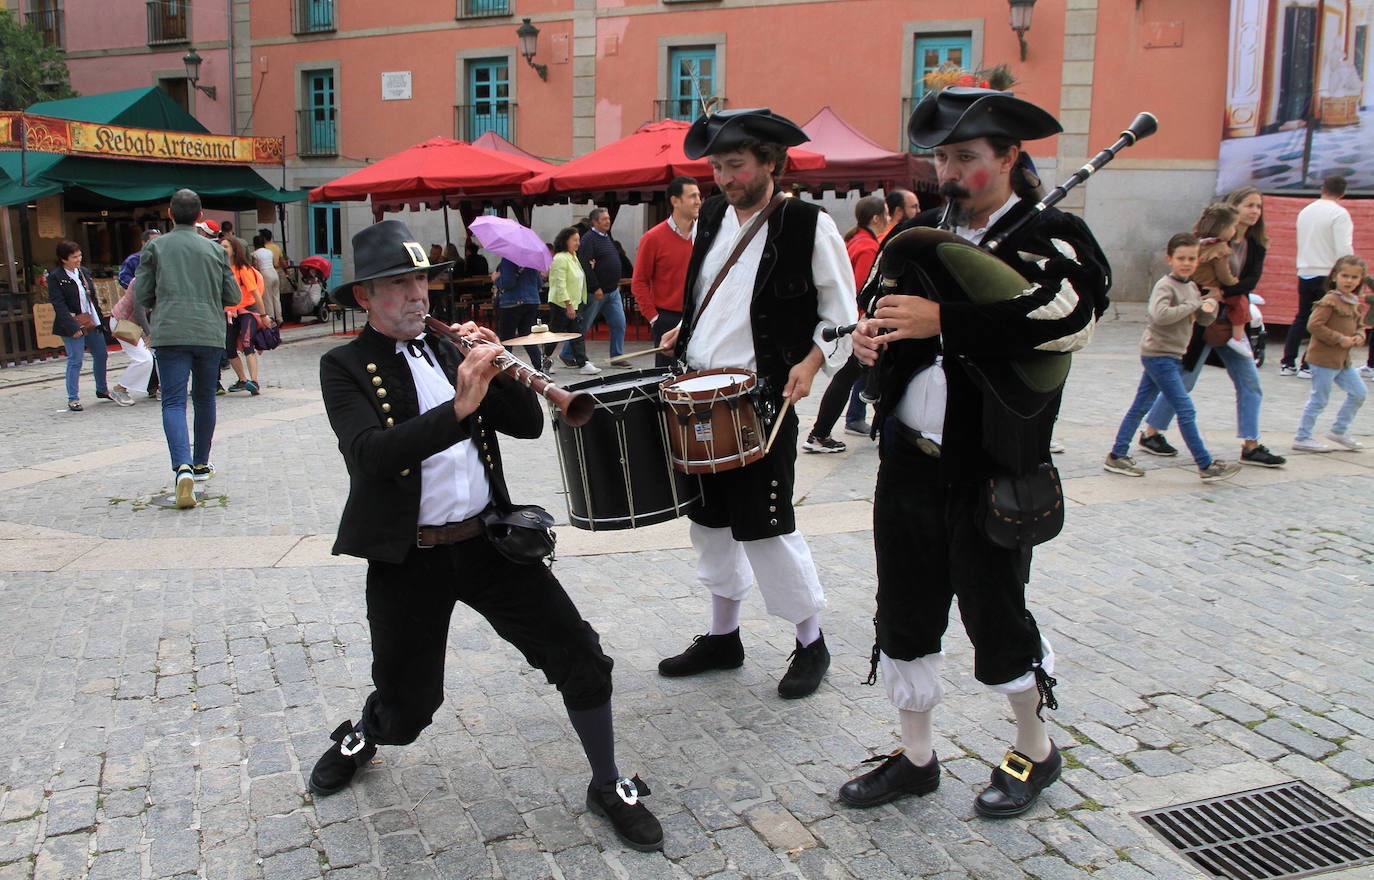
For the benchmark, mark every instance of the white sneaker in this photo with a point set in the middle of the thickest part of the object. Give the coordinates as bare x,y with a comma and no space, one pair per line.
1288,371
1310,444
1366,372
1345,440
1056,446
589,369
1240,346
1304,373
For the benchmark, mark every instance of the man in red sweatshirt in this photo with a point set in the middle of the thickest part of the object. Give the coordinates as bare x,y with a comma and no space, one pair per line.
661,262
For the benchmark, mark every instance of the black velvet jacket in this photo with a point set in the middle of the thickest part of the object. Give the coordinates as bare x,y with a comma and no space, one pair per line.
369,395
65,297
785,308
987,335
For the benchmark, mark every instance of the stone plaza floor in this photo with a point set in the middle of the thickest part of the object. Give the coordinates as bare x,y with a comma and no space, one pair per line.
171,676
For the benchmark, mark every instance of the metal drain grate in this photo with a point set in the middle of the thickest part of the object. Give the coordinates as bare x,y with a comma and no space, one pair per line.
1289,830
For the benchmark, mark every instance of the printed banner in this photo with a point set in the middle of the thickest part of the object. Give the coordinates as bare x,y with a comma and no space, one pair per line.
1299,95
49,135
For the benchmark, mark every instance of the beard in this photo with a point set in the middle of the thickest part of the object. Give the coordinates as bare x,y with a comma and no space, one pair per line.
958,209
750,195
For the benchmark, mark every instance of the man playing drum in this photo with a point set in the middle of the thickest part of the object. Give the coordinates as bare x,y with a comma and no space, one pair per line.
766,315
945,432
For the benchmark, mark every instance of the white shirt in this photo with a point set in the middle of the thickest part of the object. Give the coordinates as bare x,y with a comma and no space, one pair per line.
86,306
264,258
691,230
453,485
922,407
721,339
1325,234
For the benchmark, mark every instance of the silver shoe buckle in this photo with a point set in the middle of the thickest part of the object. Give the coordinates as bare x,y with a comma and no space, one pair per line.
350,750
625,788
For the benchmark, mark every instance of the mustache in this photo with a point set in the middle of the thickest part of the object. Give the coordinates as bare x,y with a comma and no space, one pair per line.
952,190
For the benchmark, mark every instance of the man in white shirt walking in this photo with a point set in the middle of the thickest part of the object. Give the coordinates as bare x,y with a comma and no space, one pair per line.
1325,234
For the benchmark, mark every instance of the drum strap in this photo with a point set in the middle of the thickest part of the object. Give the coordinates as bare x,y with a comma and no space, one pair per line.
754,226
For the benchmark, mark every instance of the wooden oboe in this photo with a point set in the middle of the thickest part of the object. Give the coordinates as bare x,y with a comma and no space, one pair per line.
577,406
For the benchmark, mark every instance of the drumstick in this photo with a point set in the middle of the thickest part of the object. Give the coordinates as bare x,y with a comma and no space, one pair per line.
634,354
787,401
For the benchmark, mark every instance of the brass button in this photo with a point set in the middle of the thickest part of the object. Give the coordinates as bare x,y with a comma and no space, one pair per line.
406,472
386,407
479,420
775,484
376,380
372,368
381,392
772,509
390,422
773,496
488,458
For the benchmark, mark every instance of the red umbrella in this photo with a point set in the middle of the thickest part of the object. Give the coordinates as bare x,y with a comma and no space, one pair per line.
642,162
438,169
490,140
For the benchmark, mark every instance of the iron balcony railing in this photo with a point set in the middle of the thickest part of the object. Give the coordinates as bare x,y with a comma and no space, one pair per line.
48,22
483,8
471,121
168,21
313,16
686,109
317,132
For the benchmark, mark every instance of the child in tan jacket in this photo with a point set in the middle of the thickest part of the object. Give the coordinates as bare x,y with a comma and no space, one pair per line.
1215,229
1335,329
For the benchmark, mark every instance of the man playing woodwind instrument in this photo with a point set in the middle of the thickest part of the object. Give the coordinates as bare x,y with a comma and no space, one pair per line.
417,423
790,281
953,414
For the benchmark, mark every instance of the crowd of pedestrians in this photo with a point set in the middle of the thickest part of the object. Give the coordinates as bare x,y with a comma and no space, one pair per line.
193,301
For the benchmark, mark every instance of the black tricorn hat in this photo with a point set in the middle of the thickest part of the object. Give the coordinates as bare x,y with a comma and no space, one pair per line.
729,129
957,113
380,251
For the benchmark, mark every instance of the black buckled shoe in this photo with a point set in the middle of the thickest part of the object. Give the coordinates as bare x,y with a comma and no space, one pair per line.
1016,783
704,654
807,668
336,767
895,777
619,802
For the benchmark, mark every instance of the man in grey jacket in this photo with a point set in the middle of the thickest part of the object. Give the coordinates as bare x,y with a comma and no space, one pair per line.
187,283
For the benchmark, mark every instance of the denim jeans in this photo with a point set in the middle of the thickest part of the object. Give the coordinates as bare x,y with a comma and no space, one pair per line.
176,364
1163,378
77,346
1244,375
615,320
1322,379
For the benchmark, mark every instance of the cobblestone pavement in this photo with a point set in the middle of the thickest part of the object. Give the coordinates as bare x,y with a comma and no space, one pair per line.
172,675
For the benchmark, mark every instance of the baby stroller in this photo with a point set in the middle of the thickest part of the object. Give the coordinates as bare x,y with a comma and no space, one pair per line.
310,298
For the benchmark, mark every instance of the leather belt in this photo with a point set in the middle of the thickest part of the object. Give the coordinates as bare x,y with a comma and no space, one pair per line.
916,438
449,533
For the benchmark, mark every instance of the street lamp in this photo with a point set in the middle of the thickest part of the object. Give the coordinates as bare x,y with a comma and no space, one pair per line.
192,62
1021,20
529,44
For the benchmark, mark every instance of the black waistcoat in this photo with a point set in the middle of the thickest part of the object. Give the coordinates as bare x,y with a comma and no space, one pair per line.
785,307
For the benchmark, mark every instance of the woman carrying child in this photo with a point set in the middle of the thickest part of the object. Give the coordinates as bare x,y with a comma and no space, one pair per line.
1175,303
1335,328
1248,250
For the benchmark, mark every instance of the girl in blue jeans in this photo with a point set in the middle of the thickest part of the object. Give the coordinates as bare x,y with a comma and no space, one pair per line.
1335,328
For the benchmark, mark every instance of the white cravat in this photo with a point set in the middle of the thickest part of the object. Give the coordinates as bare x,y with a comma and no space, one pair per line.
453,485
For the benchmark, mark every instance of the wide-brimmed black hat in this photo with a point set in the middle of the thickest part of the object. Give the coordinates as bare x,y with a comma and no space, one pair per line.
957,113
728,130
380,251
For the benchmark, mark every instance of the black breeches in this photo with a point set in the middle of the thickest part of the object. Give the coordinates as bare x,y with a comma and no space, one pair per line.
408,609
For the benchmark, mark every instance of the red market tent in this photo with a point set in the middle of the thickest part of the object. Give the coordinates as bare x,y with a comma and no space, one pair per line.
437,173
490,140
637,167
853,161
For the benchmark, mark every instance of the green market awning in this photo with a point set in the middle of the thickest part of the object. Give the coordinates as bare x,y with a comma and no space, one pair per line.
94,182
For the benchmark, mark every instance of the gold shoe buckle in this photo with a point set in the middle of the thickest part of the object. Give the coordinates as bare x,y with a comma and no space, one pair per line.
1020,773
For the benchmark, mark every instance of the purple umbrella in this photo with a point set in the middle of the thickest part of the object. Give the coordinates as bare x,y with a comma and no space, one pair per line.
507,238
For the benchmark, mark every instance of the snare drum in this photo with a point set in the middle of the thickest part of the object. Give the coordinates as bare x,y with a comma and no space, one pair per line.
615,467
711,421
